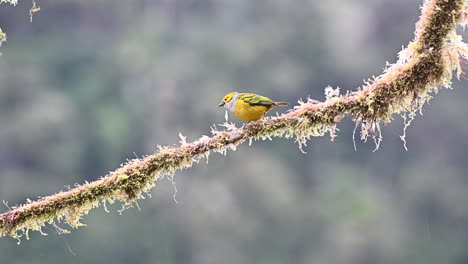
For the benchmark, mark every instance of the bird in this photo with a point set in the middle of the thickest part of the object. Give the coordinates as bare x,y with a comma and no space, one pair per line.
248,106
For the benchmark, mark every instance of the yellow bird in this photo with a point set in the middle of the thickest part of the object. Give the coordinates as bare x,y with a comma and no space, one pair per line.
248,106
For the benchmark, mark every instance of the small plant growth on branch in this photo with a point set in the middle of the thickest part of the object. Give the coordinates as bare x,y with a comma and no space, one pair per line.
427,64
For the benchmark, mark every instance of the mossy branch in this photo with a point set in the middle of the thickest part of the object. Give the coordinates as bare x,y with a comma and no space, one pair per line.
13,2
423,67
3,36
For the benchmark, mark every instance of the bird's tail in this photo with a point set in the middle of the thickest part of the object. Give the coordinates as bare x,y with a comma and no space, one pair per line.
281,103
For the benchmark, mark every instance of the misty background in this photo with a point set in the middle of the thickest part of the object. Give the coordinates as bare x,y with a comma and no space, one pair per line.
89,84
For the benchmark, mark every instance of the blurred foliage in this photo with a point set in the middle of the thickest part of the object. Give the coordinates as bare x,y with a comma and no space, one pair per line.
89,84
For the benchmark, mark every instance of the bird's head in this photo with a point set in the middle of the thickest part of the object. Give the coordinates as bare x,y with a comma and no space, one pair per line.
228,98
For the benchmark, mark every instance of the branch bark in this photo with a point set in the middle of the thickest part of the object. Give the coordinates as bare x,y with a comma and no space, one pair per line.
425,66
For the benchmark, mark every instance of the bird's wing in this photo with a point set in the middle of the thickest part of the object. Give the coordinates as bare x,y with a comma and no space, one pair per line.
254,99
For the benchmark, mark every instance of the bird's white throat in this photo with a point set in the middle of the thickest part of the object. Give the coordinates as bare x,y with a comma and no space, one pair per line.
232,104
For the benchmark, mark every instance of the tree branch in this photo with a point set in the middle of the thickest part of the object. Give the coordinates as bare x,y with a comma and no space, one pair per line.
12,2
422,68
3,36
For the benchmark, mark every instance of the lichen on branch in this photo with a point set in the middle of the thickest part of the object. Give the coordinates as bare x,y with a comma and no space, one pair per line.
3,37
423,67
13,2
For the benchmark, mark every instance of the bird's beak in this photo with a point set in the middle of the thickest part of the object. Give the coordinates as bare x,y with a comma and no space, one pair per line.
221,104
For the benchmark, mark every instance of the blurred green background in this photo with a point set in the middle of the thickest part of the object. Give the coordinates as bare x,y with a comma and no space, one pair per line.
89,84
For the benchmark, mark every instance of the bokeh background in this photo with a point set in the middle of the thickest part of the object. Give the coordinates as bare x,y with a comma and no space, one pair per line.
89,84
